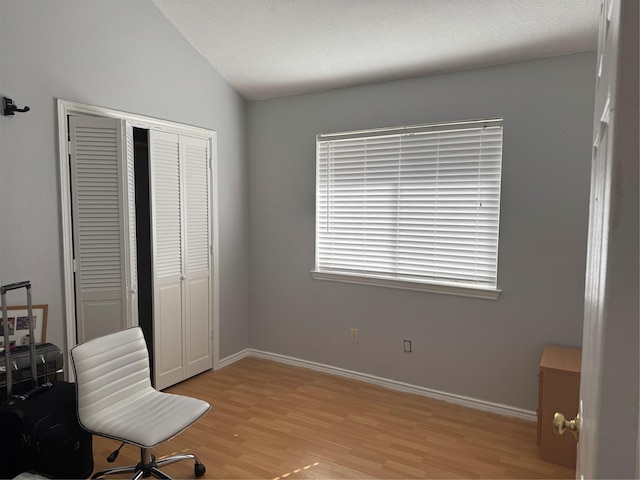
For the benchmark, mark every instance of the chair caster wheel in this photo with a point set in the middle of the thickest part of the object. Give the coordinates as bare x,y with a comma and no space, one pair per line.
199,469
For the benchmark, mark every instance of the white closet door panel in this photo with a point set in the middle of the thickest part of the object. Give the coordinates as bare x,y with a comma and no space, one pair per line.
167,204
198,338
181,237
102,309
195,160
196,171
168,314
167,334
96,156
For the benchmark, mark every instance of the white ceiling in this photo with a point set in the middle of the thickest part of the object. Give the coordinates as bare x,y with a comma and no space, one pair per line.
272,48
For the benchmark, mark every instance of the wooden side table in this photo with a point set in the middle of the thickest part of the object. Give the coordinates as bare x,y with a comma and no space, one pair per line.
558,391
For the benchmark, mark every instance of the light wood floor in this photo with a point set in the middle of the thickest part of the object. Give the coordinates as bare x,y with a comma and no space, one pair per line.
274,421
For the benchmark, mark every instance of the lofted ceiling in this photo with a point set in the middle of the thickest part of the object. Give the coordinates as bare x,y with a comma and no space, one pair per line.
273,48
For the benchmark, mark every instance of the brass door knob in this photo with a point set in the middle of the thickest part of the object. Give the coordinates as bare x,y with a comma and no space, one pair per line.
560,424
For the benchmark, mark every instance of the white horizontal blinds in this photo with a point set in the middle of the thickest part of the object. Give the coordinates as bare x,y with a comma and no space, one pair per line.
165,156
196,168
95,150
412,204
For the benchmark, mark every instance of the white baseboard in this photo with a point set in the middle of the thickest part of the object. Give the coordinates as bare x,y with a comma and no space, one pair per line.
232,358
474,403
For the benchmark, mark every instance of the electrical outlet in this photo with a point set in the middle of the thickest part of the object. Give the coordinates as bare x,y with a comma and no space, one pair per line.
407,346
354,335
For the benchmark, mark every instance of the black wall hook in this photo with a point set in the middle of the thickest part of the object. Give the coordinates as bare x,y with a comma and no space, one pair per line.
9,108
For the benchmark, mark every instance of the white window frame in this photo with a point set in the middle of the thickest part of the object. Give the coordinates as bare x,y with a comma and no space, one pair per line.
325,269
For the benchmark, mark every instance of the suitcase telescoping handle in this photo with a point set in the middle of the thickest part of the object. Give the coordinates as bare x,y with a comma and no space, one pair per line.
8,367
14,286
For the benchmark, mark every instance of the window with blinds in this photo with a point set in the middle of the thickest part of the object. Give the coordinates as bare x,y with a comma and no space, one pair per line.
411,207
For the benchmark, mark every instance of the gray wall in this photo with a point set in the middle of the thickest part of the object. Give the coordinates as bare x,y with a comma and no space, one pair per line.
488,350
125,56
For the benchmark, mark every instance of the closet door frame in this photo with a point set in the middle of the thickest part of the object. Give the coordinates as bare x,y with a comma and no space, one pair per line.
66,108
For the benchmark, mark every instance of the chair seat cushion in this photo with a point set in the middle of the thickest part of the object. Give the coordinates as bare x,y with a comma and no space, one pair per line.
147,418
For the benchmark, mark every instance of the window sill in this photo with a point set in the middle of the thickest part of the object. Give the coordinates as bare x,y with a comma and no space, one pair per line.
446,289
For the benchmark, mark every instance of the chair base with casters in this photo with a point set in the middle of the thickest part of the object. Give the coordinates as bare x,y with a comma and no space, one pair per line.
116,400
149,466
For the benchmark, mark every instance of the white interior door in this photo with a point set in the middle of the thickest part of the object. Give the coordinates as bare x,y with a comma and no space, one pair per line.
180,192
99,237
608,446
196,166
168,275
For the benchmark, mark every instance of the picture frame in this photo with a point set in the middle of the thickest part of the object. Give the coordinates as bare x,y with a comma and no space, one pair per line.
19,325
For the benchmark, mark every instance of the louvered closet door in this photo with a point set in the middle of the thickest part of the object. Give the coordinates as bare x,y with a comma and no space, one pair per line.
195,156
96,154
166,178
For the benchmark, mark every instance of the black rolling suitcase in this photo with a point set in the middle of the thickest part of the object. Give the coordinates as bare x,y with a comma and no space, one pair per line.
49,366
39,430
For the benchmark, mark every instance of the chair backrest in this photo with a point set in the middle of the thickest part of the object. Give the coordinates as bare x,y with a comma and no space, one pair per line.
109,370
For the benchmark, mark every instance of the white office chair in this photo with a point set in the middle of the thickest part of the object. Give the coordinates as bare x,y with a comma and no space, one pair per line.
116,400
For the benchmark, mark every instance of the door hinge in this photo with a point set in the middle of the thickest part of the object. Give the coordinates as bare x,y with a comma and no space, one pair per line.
74,265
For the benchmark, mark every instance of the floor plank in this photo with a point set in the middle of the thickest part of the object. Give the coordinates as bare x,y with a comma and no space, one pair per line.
275,421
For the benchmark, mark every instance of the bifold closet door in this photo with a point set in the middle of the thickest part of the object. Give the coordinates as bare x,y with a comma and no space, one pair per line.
196,155
104,280
180,196
168,248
